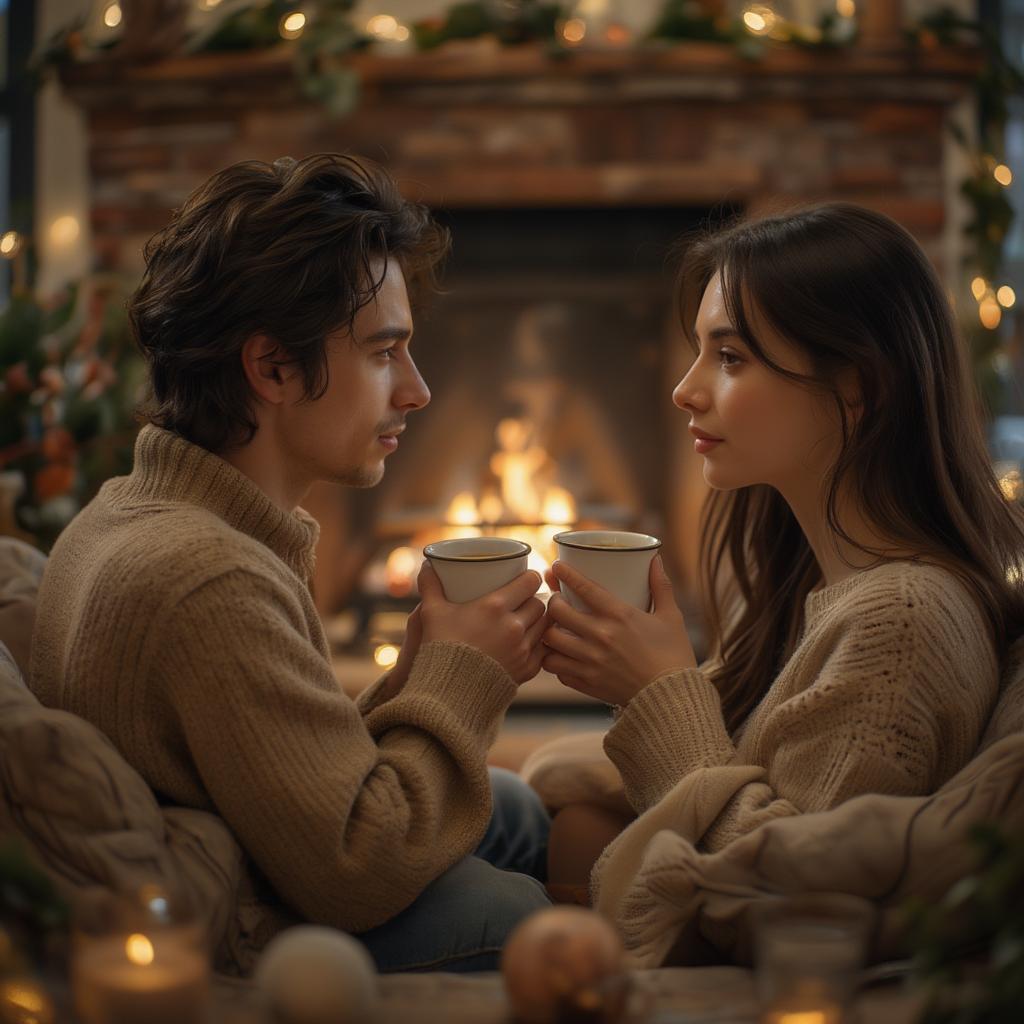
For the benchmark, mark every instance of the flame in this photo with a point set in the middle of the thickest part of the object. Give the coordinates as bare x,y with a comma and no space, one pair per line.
400,570
559,507
462,511
139,950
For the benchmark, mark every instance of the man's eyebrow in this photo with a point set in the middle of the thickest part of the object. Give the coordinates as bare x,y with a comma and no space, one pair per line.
388,334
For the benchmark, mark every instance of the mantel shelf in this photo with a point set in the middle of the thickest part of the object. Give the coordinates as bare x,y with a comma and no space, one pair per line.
689,69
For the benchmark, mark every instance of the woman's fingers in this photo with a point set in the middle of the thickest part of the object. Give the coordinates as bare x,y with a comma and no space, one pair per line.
564,642
590,593
532,611
560,611
536,631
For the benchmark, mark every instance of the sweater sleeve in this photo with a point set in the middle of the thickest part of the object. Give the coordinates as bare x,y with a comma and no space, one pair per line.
894,704
349,817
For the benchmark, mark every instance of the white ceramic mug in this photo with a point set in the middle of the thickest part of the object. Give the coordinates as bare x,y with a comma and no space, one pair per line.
473,566
618,561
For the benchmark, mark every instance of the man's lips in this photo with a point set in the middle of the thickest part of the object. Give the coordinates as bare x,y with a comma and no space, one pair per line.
389,438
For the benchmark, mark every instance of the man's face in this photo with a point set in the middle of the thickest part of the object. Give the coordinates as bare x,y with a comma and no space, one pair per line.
372,385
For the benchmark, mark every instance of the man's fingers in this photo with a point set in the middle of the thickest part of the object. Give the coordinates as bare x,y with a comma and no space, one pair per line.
531,611
590,593
520,590
428,584
563,642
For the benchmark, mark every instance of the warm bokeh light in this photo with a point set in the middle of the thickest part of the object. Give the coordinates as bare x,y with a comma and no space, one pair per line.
64,230
386,655
846,8
139,950
759,19
1003,174
573,31
208,5
491,508
112,15
989,313
558,507
1006,296
10,244
978,288
292,25
383,25
1012,485
23,1001
400,570
462,510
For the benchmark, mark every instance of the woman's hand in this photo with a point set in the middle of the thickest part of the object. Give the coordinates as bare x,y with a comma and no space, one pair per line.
507,624
613,652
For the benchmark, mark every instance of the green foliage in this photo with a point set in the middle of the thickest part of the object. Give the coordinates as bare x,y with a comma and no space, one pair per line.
970,946
31,910
70,380
528,21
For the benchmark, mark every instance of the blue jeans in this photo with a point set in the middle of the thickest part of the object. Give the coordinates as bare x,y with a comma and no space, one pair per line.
461,920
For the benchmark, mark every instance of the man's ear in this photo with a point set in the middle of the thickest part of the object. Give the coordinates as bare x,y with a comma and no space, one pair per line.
264,370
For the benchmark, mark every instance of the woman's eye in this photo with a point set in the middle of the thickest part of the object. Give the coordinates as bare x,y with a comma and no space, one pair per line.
727,358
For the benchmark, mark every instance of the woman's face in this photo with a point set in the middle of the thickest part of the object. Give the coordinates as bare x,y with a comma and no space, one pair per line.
751,425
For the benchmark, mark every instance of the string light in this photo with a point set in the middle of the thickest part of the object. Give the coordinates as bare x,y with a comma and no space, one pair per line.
846,8
64,230
978,288
1012,485
10,244
112,15
573,31
1006,296
989,312
387,27
759,19
292,25
208,5
1003,174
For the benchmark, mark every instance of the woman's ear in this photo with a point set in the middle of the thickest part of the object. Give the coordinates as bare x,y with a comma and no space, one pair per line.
264,370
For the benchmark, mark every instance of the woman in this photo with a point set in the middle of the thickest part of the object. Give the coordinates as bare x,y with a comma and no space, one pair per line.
861,569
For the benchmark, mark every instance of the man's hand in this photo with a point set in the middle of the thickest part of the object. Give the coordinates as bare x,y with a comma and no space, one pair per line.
407,655
507,624
613,652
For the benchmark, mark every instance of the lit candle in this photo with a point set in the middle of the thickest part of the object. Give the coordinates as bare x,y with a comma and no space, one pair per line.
139,979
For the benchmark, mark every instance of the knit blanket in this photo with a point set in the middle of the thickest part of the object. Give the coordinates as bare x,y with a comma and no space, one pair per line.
668,895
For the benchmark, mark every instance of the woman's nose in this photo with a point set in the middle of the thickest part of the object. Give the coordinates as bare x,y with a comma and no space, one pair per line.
688,394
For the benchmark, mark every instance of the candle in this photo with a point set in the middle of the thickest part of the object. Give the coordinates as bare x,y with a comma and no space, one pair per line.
140,979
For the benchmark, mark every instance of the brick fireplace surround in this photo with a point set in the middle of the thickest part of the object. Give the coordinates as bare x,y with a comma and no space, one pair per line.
473,127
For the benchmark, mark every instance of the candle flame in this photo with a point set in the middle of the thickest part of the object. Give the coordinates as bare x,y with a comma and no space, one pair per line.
139,950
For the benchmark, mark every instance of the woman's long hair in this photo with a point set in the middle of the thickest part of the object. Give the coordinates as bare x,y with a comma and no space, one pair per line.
854,291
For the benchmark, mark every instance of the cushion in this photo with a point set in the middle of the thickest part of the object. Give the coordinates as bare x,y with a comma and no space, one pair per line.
89,819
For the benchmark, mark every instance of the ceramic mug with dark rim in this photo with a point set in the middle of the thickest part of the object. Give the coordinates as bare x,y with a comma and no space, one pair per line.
473,566
614,559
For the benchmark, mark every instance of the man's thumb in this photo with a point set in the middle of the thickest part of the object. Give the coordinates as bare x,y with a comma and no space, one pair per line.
428,584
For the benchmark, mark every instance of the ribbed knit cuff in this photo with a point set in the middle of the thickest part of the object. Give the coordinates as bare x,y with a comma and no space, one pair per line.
449,681
672,727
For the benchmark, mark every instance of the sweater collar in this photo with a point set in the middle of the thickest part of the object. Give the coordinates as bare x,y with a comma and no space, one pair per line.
819,602
169,468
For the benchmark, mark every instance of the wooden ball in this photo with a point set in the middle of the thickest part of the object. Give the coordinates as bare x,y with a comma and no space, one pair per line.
315,975
564,963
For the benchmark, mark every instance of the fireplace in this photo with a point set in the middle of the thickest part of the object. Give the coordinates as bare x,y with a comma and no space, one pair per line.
554,351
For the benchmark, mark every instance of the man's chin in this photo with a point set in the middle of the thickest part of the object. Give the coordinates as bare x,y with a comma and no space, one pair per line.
364,476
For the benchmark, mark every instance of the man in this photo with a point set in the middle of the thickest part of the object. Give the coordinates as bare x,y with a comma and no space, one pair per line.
175,613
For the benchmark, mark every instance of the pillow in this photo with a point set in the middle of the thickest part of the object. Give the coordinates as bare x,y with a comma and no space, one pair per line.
90,819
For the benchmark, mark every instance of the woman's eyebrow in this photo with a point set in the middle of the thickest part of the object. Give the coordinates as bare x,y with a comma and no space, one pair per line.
717,333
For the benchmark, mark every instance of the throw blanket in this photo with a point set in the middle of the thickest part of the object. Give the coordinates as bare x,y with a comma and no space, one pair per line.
666,894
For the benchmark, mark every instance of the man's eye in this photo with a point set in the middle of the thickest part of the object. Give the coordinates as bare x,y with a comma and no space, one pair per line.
388,353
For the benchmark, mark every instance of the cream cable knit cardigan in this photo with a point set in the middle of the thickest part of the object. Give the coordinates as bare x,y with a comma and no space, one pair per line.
888,691
175,615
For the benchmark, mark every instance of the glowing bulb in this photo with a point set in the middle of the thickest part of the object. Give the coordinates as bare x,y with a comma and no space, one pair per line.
1006,296
401,34
759,19
574,30
383,25
10,244
64,230
208,5
1011,485
112,15
846,8
989,313
978,288
139,950
386,655
291,25
1003,174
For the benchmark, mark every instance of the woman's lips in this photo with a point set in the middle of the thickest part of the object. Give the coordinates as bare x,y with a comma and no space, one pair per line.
702,445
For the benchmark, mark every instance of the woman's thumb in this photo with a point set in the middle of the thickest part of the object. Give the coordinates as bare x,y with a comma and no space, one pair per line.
661,586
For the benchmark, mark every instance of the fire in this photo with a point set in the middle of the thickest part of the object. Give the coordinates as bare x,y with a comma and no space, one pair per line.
525,504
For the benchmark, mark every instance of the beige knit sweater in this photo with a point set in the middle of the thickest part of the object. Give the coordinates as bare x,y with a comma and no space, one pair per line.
888,691
175,615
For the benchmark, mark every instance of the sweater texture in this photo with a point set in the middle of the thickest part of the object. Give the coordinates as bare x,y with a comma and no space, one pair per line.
888,691
175,615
